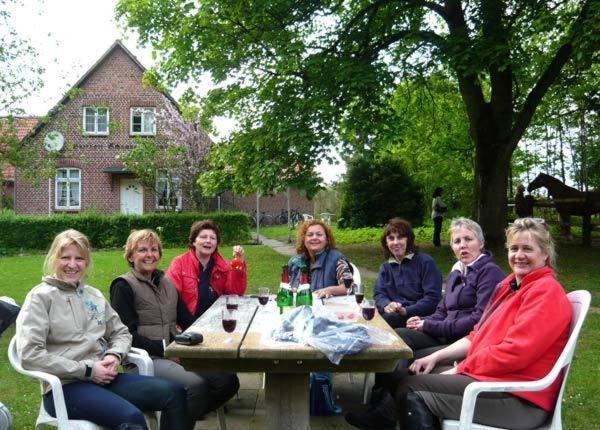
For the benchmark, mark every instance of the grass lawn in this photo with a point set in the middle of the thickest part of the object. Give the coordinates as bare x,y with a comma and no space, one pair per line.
578,269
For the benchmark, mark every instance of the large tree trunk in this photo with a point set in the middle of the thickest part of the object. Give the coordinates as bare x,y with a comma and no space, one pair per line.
492,166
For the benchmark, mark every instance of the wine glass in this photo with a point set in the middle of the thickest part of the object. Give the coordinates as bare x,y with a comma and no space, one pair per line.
229,319
348,280
368,309
263,295
231,302
359,293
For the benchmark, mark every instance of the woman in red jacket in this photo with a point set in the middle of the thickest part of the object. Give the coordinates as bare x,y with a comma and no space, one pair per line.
201,275
518,338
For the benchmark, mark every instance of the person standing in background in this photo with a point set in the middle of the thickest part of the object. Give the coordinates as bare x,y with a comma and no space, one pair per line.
438,208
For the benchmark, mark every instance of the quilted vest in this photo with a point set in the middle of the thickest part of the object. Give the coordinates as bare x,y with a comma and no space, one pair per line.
156,306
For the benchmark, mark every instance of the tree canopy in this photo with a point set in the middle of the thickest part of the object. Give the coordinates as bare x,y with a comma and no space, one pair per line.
302,75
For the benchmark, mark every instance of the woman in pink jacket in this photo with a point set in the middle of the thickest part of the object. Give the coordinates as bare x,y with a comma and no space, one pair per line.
201,275
518,338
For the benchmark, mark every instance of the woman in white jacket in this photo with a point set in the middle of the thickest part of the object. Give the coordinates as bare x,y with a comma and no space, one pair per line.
68,329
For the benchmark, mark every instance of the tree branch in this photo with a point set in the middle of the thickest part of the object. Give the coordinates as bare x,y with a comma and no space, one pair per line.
547,78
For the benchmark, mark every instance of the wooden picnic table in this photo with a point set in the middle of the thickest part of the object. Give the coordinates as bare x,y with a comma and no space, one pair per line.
286,365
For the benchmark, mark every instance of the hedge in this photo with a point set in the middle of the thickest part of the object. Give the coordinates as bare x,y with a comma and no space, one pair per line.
111,231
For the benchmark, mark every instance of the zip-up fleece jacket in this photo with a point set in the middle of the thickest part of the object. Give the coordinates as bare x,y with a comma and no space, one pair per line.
464,300
521,334
62,328
224,279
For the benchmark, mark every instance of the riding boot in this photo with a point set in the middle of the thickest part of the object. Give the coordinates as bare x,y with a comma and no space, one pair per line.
416,415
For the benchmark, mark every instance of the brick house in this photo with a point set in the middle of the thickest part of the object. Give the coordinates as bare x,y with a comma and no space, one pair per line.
99,119
20,127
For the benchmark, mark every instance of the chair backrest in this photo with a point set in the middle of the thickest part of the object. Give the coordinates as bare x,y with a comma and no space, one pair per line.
580,303
13,358
356,274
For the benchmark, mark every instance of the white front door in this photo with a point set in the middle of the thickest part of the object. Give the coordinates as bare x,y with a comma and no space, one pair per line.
132,197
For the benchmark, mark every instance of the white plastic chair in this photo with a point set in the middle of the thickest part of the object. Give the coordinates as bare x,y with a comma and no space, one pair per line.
307,217
356,274
580,301
136,356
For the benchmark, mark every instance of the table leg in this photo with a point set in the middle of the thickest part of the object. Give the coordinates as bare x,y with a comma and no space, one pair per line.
286,400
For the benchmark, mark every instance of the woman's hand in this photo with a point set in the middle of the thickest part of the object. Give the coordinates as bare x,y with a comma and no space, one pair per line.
394,307
238,252
424,365
415,323
105,370
334,290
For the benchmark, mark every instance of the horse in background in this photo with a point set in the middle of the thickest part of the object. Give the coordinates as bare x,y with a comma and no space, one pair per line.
570,201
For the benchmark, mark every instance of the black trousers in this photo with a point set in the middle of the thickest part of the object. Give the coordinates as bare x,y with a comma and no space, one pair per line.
443,395
437,230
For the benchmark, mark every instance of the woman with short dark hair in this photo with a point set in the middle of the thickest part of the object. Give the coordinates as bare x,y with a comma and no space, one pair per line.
409,283
201,275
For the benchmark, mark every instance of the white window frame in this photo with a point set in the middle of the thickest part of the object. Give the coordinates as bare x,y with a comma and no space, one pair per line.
141,111
68,181
96,132
161,175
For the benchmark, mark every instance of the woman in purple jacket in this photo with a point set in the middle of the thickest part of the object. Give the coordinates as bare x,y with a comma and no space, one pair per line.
468,288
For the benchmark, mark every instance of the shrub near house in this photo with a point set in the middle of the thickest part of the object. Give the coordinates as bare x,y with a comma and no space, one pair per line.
35,233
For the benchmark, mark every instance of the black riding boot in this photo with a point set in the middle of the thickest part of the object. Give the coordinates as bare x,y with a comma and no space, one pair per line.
416,415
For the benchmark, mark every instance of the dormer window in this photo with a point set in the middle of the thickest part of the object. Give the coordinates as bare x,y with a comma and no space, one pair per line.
143,121
95,120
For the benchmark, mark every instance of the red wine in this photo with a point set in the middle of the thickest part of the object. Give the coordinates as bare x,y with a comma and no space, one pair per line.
359,297
232,306
368,313
348,282
263,300
229,325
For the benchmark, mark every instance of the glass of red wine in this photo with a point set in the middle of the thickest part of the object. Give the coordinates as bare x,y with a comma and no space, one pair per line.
359,293
229,319
263,295
368,309
231,302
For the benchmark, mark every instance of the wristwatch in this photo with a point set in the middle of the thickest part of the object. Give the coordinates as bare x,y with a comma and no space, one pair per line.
88,371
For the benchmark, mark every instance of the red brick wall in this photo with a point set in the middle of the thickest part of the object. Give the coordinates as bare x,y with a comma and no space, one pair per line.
115,83
272,205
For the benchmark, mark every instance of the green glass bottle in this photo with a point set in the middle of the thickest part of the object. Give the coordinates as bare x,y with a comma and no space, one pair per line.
304,296
285,297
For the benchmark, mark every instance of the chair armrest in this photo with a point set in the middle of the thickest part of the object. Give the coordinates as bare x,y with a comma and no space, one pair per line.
57,394
142,360
475,388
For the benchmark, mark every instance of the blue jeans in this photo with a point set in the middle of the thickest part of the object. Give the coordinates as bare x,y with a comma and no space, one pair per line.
123,400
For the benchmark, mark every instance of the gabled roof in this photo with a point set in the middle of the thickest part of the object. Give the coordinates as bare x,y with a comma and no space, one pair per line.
23,126
117,44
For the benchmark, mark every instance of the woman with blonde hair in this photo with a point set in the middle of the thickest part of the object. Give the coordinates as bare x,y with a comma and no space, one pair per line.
152,310
67,328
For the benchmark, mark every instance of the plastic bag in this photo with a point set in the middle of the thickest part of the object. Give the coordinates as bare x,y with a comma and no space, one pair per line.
316,327
336,339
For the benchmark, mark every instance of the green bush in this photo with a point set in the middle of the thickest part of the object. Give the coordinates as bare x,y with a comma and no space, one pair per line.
376,190
111,231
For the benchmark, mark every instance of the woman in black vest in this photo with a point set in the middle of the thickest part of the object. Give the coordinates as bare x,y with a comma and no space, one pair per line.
151,308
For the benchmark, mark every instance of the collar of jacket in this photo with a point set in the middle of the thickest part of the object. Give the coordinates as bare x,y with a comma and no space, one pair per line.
219,262
484,258
392,259
528,279
59,283
155,279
